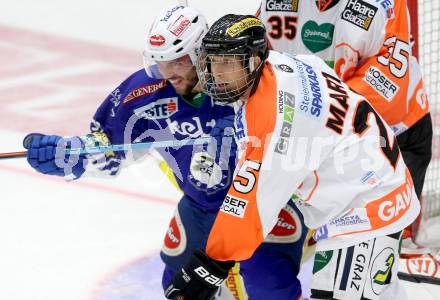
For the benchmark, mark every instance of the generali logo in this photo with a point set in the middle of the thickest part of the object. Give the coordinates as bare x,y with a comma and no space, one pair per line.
145,90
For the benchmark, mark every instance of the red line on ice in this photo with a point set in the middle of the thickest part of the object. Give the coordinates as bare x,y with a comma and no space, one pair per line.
89,185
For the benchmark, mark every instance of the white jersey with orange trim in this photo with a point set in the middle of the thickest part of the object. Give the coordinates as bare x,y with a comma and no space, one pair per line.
366,41
304,133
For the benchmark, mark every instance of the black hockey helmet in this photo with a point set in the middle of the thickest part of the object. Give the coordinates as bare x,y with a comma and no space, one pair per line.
236,34
242,37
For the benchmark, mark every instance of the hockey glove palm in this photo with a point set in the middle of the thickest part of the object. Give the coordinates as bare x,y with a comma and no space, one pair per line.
47,155
199,279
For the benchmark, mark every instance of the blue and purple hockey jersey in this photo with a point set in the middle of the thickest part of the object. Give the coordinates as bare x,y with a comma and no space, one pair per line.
143,109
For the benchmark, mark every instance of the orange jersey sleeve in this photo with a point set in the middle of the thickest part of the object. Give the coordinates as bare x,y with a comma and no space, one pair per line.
238,221
386,73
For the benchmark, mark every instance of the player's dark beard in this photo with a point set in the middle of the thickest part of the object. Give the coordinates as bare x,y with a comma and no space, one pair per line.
192,80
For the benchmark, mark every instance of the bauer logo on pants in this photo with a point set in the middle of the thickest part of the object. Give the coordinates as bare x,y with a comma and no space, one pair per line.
175,238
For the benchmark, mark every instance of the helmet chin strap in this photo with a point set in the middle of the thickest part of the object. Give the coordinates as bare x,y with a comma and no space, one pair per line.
251,64
197,88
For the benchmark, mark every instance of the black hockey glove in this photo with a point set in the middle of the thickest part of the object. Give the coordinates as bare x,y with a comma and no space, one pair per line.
199,279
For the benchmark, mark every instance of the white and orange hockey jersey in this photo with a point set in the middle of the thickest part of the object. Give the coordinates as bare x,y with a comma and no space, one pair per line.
366,41
304,133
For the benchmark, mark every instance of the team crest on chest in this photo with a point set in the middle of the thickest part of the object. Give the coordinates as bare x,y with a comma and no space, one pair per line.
316,37
208,175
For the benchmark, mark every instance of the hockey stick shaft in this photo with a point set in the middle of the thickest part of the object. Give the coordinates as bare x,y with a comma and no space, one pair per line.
13,155
121,147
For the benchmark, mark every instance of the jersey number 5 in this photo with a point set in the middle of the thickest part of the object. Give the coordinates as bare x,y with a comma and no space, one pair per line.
289,27
245,180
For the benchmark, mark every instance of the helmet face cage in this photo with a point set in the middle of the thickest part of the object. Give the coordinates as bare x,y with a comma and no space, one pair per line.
226,64
225,77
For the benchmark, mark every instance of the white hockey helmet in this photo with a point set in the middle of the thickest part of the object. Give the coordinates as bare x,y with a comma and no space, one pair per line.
176,32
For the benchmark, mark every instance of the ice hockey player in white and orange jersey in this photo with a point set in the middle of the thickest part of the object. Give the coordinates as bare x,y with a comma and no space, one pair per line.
367,42
301,131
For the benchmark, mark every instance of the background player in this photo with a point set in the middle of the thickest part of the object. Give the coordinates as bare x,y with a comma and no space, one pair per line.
349,35
295,124
163,102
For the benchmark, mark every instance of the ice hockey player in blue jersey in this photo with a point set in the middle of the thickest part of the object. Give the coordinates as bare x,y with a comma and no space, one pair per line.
163,102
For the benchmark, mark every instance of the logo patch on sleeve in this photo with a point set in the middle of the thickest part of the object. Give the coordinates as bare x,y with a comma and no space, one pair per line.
234,206
288,228
175,238
145,91
159,109
359,13
423,265
380,83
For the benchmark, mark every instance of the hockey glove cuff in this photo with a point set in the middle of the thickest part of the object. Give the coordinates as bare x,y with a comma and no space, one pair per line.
199,279
47,154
